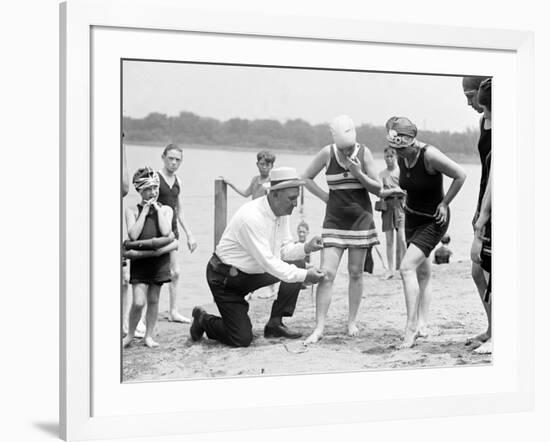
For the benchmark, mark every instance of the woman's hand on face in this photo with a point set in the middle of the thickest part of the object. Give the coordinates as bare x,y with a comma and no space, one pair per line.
441,213
354,166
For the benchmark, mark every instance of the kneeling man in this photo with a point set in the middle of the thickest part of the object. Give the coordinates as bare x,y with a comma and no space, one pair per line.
251,254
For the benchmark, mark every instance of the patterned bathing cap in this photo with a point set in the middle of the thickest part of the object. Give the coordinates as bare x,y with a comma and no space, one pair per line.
401,132
144,178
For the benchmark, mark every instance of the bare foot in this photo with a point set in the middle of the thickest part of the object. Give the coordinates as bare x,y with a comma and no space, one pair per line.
388,275
176,317
353,330
140,330
482,337
485,348
409,340
315,337
422,331
127,341
149,342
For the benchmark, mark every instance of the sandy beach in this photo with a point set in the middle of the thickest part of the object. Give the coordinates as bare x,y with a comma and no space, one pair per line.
456,314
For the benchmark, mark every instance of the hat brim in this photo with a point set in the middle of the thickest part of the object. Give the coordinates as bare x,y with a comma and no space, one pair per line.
287,184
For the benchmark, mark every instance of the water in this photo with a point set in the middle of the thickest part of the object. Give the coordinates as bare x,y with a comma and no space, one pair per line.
202,166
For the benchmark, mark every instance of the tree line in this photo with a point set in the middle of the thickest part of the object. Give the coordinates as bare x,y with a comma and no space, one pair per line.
295,135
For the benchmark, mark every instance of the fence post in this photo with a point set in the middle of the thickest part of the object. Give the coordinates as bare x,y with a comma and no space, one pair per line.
220,209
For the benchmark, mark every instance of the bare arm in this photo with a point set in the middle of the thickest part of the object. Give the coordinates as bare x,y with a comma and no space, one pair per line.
246,192
317,164
125,179
485,209
134,223
140,254
191,243
441,163
390,191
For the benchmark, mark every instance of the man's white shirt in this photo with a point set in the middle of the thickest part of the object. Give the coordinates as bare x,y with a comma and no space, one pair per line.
256,241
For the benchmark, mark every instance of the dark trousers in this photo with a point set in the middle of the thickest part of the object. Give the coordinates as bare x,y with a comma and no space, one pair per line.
229,286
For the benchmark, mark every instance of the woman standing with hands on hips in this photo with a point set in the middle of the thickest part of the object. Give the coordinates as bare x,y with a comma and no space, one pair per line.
427,216
348,223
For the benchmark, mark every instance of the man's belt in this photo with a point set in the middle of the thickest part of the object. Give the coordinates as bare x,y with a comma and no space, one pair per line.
222,268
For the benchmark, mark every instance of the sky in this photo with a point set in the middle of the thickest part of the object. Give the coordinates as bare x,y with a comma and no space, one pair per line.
316,96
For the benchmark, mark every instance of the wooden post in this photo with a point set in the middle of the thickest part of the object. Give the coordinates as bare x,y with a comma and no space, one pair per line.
220,209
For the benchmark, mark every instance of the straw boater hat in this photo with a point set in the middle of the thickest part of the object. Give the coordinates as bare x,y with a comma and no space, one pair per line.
283,178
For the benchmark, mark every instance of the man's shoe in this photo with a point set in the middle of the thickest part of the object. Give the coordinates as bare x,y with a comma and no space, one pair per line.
280,331
196,330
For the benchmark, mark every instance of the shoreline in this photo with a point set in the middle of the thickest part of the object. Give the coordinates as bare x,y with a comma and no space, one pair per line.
458,157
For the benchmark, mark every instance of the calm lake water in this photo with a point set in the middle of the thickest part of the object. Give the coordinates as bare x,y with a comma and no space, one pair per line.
202,166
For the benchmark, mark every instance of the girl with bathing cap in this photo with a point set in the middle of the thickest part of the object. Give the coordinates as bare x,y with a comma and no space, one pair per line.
348,223
149,219
427,216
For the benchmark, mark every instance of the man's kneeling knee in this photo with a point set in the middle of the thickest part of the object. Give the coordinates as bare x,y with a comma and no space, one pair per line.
242,340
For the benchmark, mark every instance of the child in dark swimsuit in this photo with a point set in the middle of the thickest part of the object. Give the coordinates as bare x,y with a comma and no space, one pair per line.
147,220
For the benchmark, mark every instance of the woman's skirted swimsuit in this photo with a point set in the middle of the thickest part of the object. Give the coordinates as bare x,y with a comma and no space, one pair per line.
349,222
424,193
156,269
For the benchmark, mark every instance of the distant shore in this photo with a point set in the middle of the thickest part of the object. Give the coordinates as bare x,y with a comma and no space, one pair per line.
458,157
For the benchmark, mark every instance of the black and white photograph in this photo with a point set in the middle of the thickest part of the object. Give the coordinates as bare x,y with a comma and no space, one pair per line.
285,220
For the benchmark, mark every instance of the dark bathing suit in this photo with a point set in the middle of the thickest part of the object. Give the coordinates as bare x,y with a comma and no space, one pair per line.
484,148
169,197
155,269
424,193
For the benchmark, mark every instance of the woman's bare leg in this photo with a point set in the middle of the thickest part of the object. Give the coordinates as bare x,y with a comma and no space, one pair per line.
330,260
412,259
423,274
400,247
356,263
480,280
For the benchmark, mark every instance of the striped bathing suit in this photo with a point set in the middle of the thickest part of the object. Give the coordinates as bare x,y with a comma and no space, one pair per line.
348,218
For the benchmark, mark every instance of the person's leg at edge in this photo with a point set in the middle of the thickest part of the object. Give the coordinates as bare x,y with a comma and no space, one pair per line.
389,254
424,276
487,346
330,260
173,314
480,281
151,316
356,262
125,298
139,299
412,259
